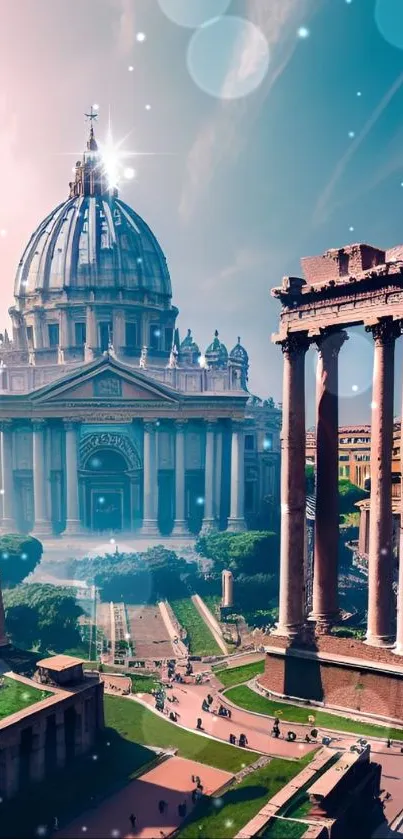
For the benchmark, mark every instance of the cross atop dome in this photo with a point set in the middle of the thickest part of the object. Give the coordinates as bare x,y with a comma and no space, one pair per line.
91,117
90,175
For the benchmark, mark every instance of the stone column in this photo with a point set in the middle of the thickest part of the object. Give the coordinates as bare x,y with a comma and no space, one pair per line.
209,519
64,338
37,767
150,478
90,334
42,522
73,523
325,574
3,637
38,332
399,631
380,559
236,521
218,475
180,527
7,477
12,767
293,493
119,337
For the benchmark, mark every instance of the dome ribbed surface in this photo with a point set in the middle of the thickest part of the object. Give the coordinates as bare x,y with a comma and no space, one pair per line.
93,241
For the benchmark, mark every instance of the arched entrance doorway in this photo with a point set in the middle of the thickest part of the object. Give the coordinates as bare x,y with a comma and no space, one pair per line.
107,483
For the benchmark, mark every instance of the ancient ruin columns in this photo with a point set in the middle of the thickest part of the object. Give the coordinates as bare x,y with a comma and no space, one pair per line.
293,494
7,481
325,577
399,630
380,559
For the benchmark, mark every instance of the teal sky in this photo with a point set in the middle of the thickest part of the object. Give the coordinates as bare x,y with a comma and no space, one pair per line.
236,191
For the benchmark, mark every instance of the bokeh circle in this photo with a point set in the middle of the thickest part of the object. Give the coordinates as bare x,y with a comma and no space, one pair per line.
193,13
228,58
389,20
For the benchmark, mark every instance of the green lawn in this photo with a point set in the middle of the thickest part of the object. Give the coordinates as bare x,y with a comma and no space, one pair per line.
224,817
201,641
14,696
236,675
139,725
251,701
142,683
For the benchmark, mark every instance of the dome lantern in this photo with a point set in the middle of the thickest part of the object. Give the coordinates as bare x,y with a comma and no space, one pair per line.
90,175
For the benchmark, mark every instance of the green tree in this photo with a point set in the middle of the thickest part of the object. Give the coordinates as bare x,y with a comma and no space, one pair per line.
349,495
19,555
42,615
252,552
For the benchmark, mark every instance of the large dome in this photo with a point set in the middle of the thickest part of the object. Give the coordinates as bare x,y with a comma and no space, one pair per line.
89,242
93,241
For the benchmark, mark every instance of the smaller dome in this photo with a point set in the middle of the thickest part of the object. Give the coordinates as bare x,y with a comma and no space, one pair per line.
216,352
238,353
188,343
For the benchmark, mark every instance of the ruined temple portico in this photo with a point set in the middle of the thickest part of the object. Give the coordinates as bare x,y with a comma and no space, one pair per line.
351,286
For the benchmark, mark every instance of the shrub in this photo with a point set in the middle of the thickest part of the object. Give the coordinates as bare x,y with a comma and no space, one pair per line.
19,555
42,615
252,552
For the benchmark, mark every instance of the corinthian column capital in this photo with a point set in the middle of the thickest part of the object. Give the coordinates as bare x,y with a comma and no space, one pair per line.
330,342
295,344
385,331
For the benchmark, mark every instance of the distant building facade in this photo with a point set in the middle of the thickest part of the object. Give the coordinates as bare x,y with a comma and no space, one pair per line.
109,421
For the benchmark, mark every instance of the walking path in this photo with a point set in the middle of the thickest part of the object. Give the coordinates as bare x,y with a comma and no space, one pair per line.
170,781
257,729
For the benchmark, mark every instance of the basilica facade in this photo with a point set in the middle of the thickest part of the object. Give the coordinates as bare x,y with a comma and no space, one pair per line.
109,421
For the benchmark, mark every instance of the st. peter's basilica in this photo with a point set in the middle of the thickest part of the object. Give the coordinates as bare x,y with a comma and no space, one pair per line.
109,421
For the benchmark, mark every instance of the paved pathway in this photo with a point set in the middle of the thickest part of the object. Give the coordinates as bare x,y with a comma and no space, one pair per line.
257,729
170,781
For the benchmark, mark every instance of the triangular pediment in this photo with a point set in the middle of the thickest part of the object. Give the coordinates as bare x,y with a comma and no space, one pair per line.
105,379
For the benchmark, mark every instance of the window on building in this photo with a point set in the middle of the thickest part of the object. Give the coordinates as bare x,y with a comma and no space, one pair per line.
53,332
105,335
131,335
344,260
268,442
249,442
169,337
30,336
80,334
155,336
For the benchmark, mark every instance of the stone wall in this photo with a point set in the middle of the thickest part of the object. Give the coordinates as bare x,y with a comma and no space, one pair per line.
344,684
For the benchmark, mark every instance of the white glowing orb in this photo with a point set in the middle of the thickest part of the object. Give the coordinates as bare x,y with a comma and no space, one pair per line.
359,93
351,229
200,500
112,541
130,68
351,134
129,173
141,37
127,636
354,388
303,32
1,491
148,107
374,406
202,360
96,107
3,232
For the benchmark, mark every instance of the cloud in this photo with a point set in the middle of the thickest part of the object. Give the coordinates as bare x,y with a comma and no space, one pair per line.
245,260
222,136
323,208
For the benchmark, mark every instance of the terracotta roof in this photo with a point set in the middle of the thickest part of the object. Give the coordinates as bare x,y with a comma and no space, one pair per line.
60,662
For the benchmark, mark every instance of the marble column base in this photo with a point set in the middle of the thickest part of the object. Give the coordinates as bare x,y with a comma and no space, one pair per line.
291,632
42,529
180,528
73,528
150,528
324,623
380,641
236,525
208,524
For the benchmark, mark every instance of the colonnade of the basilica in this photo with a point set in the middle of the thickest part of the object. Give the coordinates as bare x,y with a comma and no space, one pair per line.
381,627
56,475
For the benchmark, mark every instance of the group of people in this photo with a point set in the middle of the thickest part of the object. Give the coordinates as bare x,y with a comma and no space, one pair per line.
243,740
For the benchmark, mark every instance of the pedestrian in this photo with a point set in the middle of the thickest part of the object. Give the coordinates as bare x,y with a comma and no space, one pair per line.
197,781
199,724
55,823
193,779
388,743
162,805
132,819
